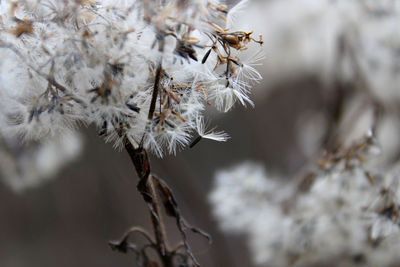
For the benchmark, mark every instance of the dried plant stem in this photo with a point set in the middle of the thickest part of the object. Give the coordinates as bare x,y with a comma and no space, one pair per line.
159,228
141,162
152,190
155,91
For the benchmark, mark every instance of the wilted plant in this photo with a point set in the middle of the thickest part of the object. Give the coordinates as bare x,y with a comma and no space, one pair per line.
141,71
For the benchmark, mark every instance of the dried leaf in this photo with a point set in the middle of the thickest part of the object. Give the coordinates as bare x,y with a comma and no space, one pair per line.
171,208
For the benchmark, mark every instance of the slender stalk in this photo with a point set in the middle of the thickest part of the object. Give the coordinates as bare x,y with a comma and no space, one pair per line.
155,92
159,228
141,162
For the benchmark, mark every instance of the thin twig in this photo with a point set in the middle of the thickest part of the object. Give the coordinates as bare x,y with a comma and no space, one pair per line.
141,162
155,91
137,229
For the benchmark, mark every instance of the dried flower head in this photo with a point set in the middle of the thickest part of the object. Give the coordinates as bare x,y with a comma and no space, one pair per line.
140,70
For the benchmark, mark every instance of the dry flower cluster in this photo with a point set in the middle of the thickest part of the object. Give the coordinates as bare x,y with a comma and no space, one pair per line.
341,213
140,70
341,209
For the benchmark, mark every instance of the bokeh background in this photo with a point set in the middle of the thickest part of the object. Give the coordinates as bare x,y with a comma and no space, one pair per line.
67,220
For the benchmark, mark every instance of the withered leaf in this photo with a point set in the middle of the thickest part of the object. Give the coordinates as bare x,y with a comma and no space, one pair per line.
171,208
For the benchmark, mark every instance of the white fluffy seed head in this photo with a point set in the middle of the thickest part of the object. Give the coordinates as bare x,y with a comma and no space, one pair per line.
99,62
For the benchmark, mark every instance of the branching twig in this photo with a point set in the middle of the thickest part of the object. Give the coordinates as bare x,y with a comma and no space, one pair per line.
145,186
153,189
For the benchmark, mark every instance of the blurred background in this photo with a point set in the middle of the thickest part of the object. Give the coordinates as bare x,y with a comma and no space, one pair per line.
330,75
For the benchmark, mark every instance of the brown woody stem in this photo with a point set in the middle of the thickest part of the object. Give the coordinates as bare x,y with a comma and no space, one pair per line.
146,187
155,92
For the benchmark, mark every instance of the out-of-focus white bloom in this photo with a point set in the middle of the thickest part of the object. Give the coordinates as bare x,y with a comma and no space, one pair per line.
23,166
304,37
140,70
346,216
232,207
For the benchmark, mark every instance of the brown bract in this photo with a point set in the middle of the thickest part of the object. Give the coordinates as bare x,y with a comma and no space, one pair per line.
23,27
